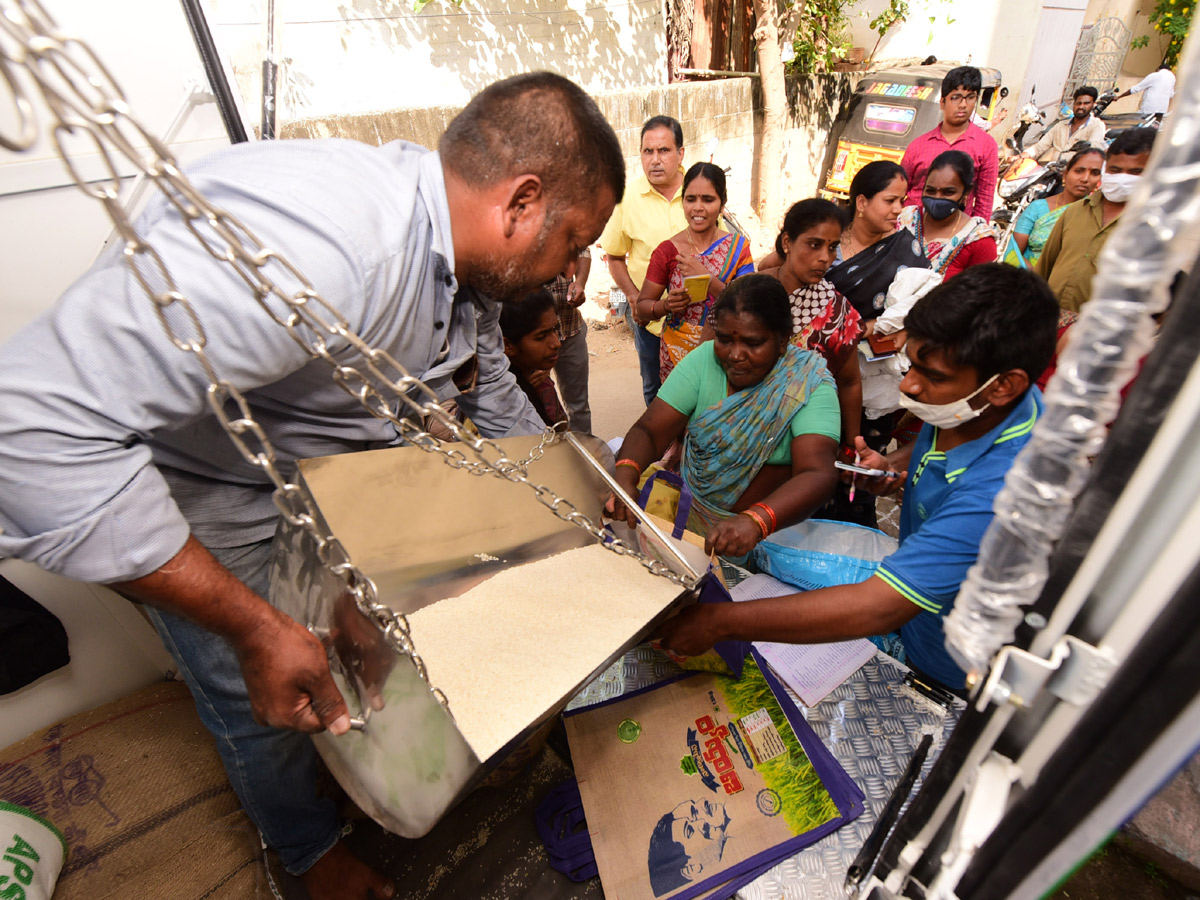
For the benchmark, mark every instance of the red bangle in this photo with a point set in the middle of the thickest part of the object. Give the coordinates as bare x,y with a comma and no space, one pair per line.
771,513
757,519
630,463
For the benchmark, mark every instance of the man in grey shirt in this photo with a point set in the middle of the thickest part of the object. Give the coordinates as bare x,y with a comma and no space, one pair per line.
113,470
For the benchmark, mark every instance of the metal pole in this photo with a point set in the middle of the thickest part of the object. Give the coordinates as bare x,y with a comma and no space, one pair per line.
207,49
270,74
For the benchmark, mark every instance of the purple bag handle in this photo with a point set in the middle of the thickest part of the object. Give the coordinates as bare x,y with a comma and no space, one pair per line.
685,499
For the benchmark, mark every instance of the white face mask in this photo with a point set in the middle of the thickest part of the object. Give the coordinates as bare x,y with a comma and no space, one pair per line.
946,415
1117,187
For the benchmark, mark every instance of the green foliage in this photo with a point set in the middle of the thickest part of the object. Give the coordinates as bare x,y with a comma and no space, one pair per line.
1173,19
1155,874
806,803
897,11
822,34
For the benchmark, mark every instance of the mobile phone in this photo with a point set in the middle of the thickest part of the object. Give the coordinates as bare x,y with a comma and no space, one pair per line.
863,470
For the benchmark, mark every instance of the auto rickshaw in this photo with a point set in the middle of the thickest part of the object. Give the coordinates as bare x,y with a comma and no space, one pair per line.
889,108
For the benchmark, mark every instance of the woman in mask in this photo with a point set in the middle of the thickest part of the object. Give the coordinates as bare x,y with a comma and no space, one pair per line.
951,240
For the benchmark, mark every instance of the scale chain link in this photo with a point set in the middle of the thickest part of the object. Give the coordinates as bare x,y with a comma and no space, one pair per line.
90,103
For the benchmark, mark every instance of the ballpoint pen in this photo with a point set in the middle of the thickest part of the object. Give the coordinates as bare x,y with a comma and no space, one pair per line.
857,460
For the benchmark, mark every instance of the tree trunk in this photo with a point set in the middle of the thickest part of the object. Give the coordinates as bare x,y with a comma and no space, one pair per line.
769,199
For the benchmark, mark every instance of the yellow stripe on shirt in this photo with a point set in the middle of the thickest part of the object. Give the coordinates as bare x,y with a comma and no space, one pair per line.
907,592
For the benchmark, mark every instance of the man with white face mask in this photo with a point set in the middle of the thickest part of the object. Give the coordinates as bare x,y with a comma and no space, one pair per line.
1072,251
977,343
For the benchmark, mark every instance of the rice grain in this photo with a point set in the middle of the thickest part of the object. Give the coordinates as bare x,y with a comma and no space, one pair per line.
513,647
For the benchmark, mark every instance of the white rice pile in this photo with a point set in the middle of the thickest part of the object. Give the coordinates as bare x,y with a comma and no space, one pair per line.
511,648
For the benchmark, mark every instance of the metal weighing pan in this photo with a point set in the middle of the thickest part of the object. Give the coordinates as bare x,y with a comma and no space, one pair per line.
423,531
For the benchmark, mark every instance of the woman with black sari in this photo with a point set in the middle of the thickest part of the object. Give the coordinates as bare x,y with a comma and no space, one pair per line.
872,251
870,255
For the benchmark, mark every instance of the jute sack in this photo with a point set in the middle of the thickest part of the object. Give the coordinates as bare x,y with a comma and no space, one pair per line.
139,793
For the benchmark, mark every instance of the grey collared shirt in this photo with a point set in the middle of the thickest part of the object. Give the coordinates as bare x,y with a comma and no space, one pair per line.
109,454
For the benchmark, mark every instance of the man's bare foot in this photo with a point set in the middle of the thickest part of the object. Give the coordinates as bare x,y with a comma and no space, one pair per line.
339,875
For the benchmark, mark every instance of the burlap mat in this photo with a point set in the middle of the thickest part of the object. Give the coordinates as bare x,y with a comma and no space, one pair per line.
139,792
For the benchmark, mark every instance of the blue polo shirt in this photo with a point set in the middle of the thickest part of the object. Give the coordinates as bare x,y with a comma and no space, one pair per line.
947,508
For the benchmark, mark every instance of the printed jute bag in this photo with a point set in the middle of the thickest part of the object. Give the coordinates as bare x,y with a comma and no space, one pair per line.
139,793
701,783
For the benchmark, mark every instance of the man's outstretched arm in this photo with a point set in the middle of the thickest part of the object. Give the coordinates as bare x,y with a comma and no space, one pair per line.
812,617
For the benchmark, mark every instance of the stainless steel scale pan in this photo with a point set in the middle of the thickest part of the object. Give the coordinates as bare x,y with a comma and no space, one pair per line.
423,531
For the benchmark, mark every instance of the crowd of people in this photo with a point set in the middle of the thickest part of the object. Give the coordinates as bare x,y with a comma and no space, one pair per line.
844,344
882,333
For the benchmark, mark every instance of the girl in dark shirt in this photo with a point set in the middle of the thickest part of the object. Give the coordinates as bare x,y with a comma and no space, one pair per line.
531,342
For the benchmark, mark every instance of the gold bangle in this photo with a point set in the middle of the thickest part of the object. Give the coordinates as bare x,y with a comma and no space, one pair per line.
758,520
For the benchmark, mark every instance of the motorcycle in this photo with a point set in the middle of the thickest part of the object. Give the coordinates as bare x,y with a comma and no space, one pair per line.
1118,122
1029,116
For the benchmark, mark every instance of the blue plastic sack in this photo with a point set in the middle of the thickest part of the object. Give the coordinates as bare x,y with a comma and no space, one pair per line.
819,553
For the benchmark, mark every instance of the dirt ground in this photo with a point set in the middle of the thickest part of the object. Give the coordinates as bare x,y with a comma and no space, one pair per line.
1115,872
614,382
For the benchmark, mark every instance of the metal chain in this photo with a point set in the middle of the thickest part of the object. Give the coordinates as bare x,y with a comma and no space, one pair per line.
87,103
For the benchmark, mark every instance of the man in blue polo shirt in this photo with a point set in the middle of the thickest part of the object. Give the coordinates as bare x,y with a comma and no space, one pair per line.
976,344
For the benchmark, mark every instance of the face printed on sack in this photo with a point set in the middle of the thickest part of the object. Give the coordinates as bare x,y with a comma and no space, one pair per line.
809,256
687,844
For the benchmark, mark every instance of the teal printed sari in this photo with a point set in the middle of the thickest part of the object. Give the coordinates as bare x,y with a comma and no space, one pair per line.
1041,233
728,444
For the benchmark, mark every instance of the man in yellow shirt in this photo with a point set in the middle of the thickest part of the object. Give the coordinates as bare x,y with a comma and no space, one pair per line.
650,212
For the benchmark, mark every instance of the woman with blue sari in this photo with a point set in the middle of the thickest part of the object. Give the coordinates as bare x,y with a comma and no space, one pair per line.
761,419
1080,178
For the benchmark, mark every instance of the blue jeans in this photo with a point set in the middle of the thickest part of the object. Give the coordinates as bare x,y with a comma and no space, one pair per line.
572,372
647,351
272,771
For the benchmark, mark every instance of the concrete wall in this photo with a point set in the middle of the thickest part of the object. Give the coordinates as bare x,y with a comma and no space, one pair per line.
719,110
353,56
813,103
